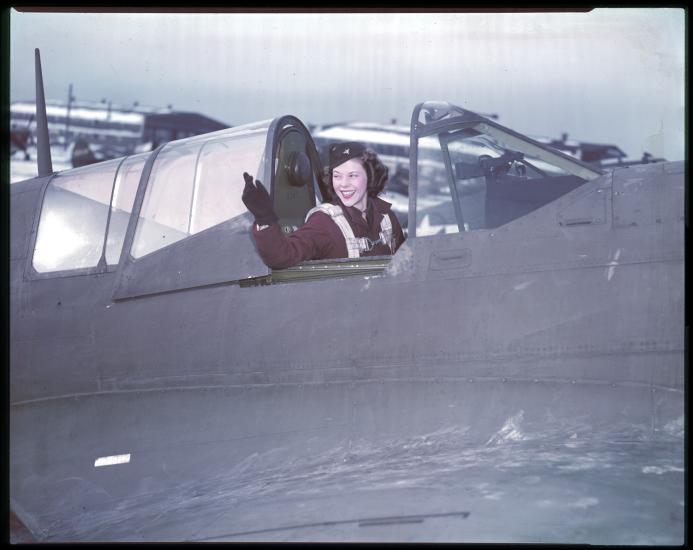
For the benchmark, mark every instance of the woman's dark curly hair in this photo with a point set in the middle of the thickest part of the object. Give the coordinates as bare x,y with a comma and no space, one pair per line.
376,172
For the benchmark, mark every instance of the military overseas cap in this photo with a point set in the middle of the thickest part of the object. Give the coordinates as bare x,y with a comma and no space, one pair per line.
342,152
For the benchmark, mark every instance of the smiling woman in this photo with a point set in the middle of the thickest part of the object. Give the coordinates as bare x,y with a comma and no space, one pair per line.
353,223
350,182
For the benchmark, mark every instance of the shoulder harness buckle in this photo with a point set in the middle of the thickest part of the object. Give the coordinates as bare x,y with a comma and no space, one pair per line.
356,245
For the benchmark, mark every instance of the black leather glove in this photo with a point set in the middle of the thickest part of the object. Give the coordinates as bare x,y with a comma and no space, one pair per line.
257,200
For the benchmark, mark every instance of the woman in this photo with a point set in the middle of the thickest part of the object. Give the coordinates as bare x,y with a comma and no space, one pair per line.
353,224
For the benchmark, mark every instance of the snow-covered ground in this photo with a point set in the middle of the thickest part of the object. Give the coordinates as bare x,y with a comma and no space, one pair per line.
21,169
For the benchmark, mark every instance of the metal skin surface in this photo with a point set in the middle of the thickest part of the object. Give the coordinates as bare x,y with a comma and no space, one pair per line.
517,384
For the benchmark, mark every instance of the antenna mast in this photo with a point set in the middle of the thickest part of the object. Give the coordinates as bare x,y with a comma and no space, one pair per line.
43,153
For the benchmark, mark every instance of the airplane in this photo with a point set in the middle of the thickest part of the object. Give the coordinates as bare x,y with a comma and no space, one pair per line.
91,132
603,155
82,153
20,138
513,373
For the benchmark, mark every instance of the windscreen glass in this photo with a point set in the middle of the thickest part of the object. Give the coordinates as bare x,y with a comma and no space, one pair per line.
435,212
197,183
479,176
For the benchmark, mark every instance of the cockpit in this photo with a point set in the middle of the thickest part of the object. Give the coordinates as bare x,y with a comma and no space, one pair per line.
174,219
470,173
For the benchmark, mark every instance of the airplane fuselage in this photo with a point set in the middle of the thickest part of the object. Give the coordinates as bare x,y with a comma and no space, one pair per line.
569,317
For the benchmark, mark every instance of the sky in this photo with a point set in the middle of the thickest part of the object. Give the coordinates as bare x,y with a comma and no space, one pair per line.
612,75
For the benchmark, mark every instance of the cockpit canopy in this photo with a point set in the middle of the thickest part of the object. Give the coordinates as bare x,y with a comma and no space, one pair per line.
191,228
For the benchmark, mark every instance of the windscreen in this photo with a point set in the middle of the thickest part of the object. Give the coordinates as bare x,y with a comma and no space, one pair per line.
476,175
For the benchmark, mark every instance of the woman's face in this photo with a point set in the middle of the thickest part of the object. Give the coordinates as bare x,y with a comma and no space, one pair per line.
350,182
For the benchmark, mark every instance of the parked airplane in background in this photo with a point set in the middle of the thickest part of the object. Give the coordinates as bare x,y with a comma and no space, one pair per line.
101,131
602,155
514,373
20,138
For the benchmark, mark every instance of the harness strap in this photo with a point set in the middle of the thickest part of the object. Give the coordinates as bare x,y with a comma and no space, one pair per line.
355,245
386,233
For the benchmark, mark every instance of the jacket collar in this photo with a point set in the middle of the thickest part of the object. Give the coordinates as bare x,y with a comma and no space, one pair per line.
376,208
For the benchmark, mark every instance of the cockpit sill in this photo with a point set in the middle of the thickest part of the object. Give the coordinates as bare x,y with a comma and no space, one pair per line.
323,269
311,270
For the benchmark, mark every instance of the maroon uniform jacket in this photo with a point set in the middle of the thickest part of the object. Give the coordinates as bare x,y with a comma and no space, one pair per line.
320,238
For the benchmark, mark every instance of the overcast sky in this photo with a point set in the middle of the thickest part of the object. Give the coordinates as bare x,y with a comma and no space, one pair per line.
612,75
